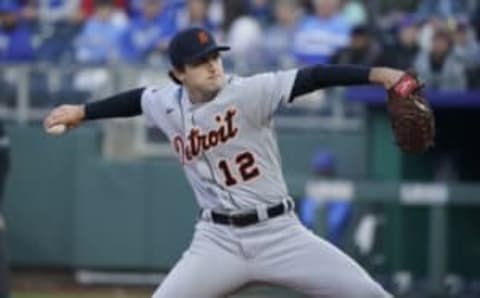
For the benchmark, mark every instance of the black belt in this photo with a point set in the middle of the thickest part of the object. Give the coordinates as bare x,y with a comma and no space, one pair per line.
246,219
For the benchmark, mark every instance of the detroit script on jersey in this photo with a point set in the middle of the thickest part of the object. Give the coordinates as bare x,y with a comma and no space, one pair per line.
227,146
198,141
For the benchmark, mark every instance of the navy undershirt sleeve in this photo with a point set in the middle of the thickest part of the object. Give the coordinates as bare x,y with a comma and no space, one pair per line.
126,104
311,78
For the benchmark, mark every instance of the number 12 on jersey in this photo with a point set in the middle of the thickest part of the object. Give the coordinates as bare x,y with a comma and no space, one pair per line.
245,163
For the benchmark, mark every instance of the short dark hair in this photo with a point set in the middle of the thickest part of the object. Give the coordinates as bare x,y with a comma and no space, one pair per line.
172,76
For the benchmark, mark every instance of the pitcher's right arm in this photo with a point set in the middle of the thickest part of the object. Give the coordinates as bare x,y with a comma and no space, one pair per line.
126,104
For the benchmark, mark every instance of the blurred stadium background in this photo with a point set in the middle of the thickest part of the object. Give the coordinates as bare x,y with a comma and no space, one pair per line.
105,210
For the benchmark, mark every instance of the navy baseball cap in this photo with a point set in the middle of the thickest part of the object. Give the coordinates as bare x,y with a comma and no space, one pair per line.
192,44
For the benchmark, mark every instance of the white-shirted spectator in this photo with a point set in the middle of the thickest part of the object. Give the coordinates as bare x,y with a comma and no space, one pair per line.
278,37
321,35
438,67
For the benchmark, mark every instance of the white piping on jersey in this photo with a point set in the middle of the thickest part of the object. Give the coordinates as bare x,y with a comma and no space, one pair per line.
203,154
179,100
212,172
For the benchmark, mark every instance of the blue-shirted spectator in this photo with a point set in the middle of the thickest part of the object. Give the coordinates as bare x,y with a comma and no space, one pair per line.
326,196
320,36
170,7
135,7
323,168
278,37
99,41
195,14
260,10
15,37
148,32
55,23
53,11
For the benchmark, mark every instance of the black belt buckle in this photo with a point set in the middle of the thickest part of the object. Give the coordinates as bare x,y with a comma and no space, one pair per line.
243,220
246,219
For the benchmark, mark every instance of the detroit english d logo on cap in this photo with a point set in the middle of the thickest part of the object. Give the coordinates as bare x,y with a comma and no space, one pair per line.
202,37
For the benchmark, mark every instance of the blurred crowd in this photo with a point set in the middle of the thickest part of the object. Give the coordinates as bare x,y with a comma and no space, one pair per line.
437,38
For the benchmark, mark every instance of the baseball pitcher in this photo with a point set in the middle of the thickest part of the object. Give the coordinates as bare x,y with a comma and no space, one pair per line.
221,127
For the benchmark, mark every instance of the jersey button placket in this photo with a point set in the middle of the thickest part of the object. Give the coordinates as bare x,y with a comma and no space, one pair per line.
204,166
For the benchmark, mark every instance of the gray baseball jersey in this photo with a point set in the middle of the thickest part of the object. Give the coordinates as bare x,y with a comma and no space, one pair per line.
227,146
228,149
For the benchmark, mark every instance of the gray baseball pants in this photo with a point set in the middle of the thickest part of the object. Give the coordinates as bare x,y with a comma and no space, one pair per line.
279,251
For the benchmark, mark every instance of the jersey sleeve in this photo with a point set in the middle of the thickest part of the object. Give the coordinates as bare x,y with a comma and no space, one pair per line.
148,103
268,91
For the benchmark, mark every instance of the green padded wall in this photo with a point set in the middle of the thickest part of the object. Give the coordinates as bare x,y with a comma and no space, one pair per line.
384,158
40,194
66,206
298,147
135,214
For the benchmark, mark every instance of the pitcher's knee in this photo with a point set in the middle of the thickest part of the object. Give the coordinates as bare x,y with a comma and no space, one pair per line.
164,294
157,294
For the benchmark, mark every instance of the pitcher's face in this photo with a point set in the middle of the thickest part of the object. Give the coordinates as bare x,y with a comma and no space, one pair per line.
205,74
